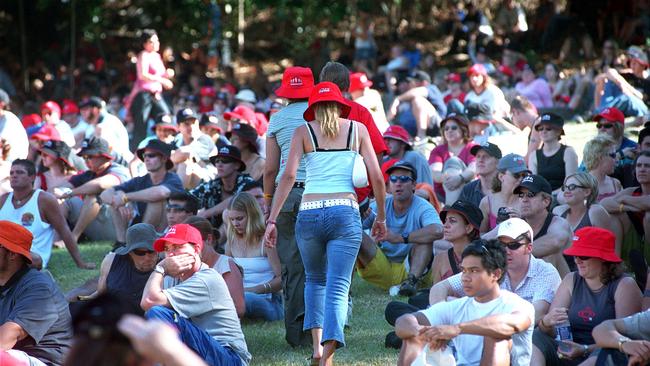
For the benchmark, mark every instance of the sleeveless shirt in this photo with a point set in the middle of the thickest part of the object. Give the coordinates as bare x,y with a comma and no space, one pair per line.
552,167
125,281
589,308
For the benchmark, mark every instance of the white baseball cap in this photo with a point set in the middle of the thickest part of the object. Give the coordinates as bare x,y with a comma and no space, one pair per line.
514,228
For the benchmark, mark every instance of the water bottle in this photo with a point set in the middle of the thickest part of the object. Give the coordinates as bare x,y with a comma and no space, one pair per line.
563,333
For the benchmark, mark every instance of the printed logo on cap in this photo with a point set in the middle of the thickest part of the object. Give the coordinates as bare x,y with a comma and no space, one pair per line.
363,78
324,90
166,119
84,144
187,111
528,179
575,237
296,81
48,144
546,117
171,231
224,150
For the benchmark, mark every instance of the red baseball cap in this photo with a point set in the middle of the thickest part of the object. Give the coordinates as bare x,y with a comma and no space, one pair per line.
30,120
594,242
47,132
70,107
611,114
453,77
326,92
15,238
359,81
243,113
51,106
397,132
180,234
477,69
297,83
208,91
506,70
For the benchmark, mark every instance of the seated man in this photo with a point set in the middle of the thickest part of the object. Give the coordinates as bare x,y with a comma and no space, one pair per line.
412,225
186,293
624,341
38,212
85,212
532,279
180,206
490,326
192,158
214,195
35,324
487,158
399,147
148,192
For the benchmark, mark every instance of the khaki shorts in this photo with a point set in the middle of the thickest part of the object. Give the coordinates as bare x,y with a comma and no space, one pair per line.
383,273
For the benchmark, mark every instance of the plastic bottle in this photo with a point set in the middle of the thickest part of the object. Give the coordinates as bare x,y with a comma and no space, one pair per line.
563,333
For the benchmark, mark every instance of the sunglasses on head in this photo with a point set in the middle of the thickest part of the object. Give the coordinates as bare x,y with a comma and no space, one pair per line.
142,252
451,128
150,155
571,187
527,194
606,126
543,128
400,178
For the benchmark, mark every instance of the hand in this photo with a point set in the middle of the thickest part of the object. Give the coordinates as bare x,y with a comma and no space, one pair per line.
639,350
391,237
555,316
571,350
378,230
86,265
453,182
126,212
270,236
175,265
152,339
167,84
119,199
438,333
392,111
513,212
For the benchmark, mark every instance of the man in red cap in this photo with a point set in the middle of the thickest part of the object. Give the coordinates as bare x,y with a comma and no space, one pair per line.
11,129
194,298
370,98
297,84
79,127
611,122
35,323
38,212
399,147
51,113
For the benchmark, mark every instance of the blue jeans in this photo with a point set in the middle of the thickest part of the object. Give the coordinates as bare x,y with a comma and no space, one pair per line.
328,239
196,338
264,307
613,96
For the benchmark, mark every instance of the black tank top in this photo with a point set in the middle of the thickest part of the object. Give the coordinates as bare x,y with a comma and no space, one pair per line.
552,167
125,281
589,308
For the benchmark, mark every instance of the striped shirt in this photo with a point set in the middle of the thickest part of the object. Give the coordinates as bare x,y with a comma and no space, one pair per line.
282,126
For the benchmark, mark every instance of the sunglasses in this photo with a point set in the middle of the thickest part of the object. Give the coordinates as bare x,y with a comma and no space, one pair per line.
150,155
606,126
571,187
141,252
513,245
527,194
543,128
400,178
175,208
583,258
451,128
519,175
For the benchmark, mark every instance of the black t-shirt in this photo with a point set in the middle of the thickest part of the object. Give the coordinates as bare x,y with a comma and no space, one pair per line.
117,170
32,300
640,84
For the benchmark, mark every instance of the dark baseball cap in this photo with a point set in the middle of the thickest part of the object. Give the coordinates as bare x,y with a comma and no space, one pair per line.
91,102
479,112
469,211
419,75
95,146
166,121
184,115
513,163
229,152
458,117
402,164
553,120
489,147
534,183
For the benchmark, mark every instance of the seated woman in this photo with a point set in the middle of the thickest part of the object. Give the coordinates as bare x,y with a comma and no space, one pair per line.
244,137
599,158
554,160
125,271
451,162
598,291
261,265
225,265
54,155
483,90
511,169
535,89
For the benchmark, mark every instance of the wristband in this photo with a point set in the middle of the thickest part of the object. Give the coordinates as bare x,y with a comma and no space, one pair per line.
268,195
270,222
125,199
381,221
621,207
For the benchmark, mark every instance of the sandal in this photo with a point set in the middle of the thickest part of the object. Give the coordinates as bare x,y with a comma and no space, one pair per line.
314,361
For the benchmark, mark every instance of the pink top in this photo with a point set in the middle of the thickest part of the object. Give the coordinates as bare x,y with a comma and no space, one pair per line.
441,153
156,67
538,92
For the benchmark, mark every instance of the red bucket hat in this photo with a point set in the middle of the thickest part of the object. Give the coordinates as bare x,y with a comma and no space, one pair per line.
397,132
16,239
326,92
297,83
359,81
611,114
594,242
180,234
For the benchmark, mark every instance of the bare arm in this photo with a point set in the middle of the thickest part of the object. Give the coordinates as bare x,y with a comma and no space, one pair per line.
627,299
485,223
95,186
152,295
600,218
560,303
556,238
439,292
10,334
375,176
426,235
570,161
152,194
407,96
235,287
409,325
289,174
501,326
271,168
532,162
612,204
103,272
541,308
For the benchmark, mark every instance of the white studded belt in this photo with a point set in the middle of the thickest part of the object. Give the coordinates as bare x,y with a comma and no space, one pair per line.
311,205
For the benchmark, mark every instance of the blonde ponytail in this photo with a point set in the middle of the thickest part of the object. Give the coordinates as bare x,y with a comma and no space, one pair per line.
327,114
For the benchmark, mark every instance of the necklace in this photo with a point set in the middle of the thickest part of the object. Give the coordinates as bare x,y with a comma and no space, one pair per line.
24,199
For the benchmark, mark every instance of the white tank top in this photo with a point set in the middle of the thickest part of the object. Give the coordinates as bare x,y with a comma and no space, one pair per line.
30,217
257,270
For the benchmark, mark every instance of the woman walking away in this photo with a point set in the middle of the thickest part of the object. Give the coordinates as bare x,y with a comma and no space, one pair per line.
328,229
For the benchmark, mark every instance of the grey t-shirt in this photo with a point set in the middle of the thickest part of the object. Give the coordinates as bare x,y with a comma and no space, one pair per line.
204,300
32,300
637,326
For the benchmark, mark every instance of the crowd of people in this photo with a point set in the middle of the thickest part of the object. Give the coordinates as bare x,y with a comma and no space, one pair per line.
512,246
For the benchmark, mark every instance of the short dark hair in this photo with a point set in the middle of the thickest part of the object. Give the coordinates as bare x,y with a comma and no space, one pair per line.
492,254
645,132
146,35
191,202
27,164
337,73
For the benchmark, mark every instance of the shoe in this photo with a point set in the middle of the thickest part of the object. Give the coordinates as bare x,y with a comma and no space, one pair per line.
313,361
408,288
393,341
